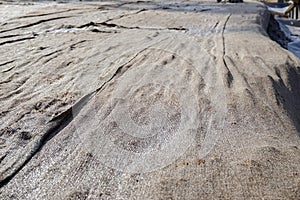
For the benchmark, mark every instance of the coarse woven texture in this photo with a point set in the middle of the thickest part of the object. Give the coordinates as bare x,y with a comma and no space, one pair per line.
146,100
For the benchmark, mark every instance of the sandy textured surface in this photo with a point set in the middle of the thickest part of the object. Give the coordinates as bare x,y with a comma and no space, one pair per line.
146,100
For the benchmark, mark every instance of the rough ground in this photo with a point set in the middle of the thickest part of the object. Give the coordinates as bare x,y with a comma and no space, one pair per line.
146,100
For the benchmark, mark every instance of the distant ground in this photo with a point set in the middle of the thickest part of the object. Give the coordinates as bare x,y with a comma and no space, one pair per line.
146,100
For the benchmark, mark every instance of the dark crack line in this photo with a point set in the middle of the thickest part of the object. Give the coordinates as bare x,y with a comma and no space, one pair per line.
9,69
177,29
119,70
111,25
95,30
2,158
6,81
8,36
44,14
126,15
73,46
217,23
49,59
156,6
50,54
87,25
17,40
118,5
229,75
6,63
35,23
223,35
